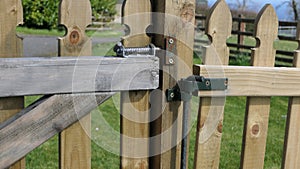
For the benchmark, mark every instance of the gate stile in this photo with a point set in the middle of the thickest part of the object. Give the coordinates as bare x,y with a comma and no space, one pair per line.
173,22
11,15
54,113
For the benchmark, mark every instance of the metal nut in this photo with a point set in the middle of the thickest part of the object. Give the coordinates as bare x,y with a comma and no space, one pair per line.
171,41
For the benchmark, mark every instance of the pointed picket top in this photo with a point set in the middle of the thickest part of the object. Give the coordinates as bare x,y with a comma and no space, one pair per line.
218,28
266,32
11,15
137,17
75,15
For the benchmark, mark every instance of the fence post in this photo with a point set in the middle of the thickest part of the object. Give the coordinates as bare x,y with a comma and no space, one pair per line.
11,15
75,143
292,136
173,23
135,104
241,28
210,117
258,108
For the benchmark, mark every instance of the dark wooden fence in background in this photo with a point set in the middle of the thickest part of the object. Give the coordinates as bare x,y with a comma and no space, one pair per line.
243,29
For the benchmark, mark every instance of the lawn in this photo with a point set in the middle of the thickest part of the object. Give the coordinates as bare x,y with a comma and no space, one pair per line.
46,156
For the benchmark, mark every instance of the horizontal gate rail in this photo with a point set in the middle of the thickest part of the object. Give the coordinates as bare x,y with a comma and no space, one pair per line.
33,76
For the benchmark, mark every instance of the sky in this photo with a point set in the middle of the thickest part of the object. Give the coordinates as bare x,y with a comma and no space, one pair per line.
283,11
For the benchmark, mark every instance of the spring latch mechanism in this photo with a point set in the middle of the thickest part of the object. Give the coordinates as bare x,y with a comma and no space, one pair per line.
122,51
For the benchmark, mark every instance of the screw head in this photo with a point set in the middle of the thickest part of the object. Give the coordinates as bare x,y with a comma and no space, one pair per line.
171,41
172,95
171,61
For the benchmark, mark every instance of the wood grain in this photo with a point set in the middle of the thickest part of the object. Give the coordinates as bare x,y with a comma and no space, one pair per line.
252,81
42,120
11,15
173,19
135,105
258,108
75,143
291,154
211,109
30,76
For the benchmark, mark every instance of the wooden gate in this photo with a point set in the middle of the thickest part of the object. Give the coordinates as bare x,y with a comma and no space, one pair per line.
145,112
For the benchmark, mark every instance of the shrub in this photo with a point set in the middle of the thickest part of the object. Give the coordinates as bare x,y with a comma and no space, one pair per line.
43,14
40,13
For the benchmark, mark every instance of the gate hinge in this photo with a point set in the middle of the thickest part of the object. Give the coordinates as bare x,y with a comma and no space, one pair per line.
185,88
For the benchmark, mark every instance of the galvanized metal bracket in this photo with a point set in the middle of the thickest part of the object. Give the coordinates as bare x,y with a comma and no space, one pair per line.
171,50
185,88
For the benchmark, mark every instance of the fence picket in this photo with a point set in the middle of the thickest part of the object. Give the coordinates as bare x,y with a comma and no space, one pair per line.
11,15
135,105
258,108
218,27
75,143
291,146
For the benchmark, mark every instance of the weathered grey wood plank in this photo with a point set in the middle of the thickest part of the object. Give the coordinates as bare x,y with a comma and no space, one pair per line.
41,121
31,76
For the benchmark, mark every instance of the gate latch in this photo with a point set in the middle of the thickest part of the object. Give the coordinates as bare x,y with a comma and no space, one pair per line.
185,88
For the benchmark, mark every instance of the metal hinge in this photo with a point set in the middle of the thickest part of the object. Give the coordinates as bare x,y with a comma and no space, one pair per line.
185,88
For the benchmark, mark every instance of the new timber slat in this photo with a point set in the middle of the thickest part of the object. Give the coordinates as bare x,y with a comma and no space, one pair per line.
11,15
211,109
75,142
253,81
42,120
31,76
258,108
135,104
292,138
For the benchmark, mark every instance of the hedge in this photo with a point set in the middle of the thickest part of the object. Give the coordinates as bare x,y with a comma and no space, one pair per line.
43,14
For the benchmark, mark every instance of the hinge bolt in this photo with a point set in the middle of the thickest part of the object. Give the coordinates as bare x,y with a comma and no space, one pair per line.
171,41
172,95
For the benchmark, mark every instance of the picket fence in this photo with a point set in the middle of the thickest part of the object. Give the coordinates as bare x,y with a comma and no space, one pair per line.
145,112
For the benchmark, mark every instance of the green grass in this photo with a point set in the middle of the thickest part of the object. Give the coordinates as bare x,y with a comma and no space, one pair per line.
46,156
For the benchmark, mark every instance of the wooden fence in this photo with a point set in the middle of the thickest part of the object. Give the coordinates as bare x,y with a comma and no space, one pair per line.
161,126
243,28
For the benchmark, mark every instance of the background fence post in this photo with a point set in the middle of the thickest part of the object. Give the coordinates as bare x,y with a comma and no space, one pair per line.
241,28
11,15
258,108
135,104
208,141
75,143
291,146
174,28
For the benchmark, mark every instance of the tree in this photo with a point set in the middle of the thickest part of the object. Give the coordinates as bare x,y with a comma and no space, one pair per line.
294,5
242,5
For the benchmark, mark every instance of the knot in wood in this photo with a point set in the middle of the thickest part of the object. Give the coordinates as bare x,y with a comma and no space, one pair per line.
187,13
220,127
255,130
74,37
